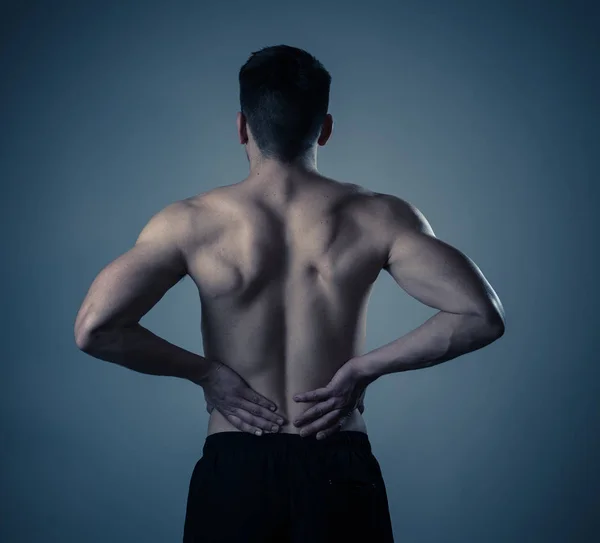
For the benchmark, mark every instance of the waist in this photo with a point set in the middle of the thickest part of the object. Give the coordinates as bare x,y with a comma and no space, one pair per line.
245,443
217,423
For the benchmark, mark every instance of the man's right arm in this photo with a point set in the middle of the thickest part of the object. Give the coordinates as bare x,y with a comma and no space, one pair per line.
470,314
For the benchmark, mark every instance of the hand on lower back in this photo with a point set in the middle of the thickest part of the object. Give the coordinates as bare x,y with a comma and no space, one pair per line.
227,392
344,393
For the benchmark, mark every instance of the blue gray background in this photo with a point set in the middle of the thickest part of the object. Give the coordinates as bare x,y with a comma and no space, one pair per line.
482,114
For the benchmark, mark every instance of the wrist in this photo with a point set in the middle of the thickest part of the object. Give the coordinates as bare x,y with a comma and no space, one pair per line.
200,373
363,371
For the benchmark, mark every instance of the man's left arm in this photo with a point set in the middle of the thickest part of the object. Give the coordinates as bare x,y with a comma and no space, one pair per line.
107,325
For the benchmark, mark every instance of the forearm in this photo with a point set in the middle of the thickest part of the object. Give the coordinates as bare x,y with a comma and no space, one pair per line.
138,349
443,337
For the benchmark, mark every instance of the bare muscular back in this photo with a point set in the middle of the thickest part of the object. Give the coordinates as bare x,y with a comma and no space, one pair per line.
284,270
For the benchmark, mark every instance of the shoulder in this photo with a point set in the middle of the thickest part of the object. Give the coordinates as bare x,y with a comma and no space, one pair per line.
169,222
208,215
395,225
386,213
182,223
397,215
217,200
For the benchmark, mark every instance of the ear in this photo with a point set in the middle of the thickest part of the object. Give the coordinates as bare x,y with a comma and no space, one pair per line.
242,128
326,130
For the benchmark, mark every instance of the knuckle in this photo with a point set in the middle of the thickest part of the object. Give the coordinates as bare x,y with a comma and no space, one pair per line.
272,420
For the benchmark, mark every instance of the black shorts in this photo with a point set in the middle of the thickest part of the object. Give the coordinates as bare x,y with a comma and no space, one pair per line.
283,488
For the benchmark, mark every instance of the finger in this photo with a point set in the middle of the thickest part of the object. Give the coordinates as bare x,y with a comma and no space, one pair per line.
243,426
256,422
326,421
315,412
260,412
322,434
314,395
255,397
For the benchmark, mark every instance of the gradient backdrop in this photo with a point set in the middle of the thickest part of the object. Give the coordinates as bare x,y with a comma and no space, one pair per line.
484,115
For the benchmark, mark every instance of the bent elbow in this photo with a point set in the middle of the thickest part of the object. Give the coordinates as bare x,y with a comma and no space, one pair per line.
84,333
494,318
82,340
498,330
495,324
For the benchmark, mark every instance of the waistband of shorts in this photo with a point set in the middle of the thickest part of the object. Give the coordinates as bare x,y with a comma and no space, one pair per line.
247,441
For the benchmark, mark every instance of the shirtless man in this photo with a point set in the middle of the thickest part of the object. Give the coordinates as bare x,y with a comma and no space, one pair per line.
284,262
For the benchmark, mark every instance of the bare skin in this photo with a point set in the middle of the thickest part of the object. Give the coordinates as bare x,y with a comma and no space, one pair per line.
284,263
284,268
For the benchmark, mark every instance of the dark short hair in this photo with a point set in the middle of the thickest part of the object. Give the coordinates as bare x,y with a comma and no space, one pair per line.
284,95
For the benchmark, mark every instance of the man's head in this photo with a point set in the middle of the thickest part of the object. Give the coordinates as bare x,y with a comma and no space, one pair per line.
284,97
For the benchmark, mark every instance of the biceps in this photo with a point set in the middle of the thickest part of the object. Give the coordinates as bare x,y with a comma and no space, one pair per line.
441,276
